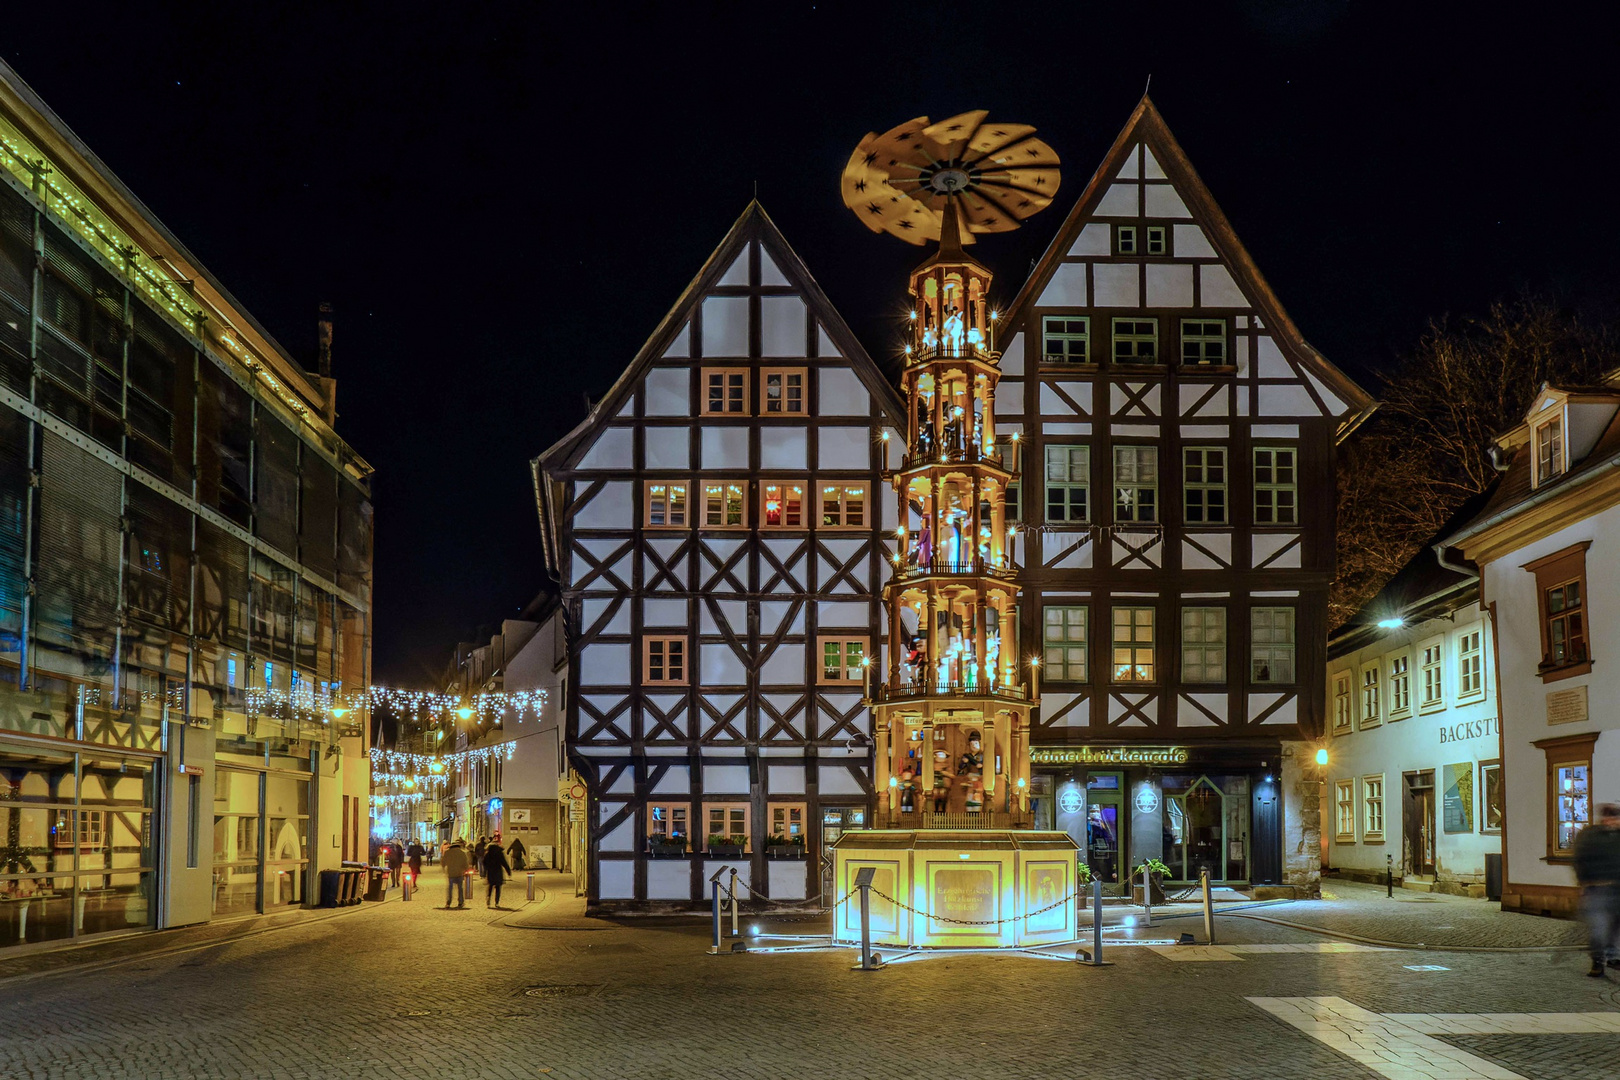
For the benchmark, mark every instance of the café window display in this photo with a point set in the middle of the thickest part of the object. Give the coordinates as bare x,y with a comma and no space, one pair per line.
1206,826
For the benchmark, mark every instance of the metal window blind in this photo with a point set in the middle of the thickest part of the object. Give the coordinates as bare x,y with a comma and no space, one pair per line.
77,559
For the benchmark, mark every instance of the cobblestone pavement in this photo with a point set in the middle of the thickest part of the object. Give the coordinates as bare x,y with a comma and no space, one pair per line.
1424,918
410,990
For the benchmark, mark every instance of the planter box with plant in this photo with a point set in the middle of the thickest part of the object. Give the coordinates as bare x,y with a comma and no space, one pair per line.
1156,872
666,847
727,847
784,847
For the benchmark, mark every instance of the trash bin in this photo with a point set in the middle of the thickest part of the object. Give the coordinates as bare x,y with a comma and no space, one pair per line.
331,888
377,878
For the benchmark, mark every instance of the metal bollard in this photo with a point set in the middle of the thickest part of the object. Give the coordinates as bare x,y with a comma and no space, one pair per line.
1147,897
714,886
531,886
405,887
1095,959
734,902
1389,876
1209,908
870,961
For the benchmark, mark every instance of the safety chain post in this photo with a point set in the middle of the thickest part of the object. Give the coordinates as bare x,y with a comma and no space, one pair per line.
405,887
733,893
1147,896
531,885
1095,959
863,881
1209,908
1389,876
714,886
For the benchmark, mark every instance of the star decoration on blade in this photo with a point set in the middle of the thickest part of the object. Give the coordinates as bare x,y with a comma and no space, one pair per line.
993,177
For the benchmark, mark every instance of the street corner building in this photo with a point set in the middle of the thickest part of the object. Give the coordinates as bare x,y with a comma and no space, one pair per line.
185,573
1154,523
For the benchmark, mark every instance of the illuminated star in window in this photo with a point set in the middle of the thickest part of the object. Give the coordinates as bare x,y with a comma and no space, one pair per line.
860,185
875,208
904,224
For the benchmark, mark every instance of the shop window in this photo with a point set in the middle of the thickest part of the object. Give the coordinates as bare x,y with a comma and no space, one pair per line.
667,821
664,661
843,506
787,820
728,820
1341,702
1372,807
1203,342
1136,341
1400,687
1068,483
1491,801
1271,645
784,391
1133,645
1371,697
1550,463
1125,239
665,506
1203,645
723,506
1432,685
1276,486
1344,805
1066,339
842,659
1569,791
783,506
1156,240
725,391
1063,644
1136,483
1470,665
1203,478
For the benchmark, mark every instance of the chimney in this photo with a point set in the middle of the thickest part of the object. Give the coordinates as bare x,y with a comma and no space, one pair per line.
324,335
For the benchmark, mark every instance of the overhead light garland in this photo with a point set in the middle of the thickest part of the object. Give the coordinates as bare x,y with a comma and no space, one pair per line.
435,705
421,766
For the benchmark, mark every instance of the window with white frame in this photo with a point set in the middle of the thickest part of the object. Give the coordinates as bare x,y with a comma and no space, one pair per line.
1372,807
665,506
1549,450
1156,242
726,823
1342,711
1344,811
664,660
1203,342
1400,686
1271,637
1125,239
723,506
842,659
725,391
1276,486
1432,686
1133,644
782,505
1203,483
1063,644
1470,665
1203,645
784,390
1136,341
843,506
1067,339
1136,483
787,821
1371,697
667,821
1068,483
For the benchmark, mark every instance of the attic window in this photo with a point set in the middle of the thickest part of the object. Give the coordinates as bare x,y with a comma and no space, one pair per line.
1550,462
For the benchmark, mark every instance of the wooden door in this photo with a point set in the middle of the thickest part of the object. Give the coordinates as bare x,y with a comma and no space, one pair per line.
1417,824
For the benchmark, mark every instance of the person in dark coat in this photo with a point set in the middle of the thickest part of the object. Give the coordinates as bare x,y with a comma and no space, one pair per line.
396,859
496,869
414,853
519,854
1597,871
478,854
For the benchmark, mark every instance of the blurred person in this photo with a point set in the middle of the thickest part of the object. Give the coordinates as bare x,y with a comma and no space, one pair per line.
1597,871
456,866
478,854
496,868
519,854
414,853
396,859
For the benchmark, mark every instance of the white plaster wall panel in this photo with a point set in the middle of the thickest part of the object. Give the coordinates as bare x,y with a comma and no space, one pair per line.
611,450
1137,551
1240,354
1197,709
775,614
624,783
1150,164
604,664
1009,402
1162,201
1335,404
734,612
725,326
1118,285
669,879
1067,287
737,272
719,666
1009,427
1053,405
836,780
1067,550
744,867
787,879
1286,400
1206,551
784,667
1136,431
824,344
895,450
621,837
1146,704
1059,705
1117,397
841,615
1191,395
677,780
1012,356
1205,431
668,391
728,779
613,507
1216,289
616,878
725,446
1095,239
663,613
1169,285
1066,429
769,272
842,393
593,608
1131,167
1191,243
667,447
785,449
665,549
1271,362
1119,201
888,508
1274,431
1243,398
843,447
1266,544
782,326
681,345
786,779
1285,713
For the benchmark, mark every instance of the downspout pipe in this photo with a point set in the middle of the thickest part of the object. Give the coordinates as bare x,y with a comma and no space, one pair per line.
1454,567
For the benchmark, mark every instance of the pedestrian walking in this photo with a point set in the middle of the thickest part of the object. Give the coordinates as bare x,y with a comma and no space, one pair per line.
519,854
496,868
414,853
1597,871
396,859
456,866
478,854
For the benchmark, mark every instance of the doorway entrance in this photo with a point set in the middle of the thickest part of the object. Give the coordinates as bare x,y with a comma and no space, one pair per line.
834,821
1104,803
1417,824
1207,827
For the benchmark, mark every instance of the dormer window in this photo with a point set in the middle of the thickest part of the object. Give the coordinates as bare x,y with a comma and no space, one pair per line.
1549,450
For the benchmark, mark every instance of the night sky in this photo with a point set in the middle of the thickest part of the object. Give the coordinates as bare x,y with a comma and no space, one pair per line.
503,200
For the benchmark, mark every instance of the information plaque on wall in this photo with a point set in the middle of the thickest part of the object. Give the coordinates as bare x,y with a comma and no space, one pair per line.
1457,799
1567,706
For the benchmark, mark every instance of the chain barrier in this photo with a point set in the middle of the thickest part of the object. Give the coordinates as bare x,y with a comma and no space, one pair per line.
975,922
803,916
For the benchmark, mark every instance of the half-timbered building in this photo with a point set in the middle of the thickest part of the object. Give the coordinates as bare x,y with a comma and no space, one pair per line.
1175,436
718,527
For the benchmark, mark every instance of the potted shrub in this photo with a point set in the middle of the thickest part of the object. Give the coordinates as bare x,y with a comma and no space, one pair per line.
1156,872
722,846
666,847
784,847
1082,873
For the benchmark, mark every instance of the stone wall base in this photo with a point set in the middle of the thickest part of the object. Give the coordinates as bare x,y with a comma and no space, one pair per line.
1302,820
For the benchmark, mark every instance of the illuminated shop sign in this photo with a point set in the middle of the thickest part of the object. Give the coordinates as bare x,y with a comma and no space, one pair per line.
1108,755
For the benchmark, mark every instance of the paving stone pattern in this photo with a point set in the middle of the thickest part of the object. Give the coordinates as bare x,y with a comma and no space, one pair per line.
410,990
1570,1057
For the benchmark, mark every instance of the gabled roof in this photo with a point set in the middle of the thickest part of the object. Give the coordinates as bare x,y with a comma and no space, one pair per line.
1146,125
